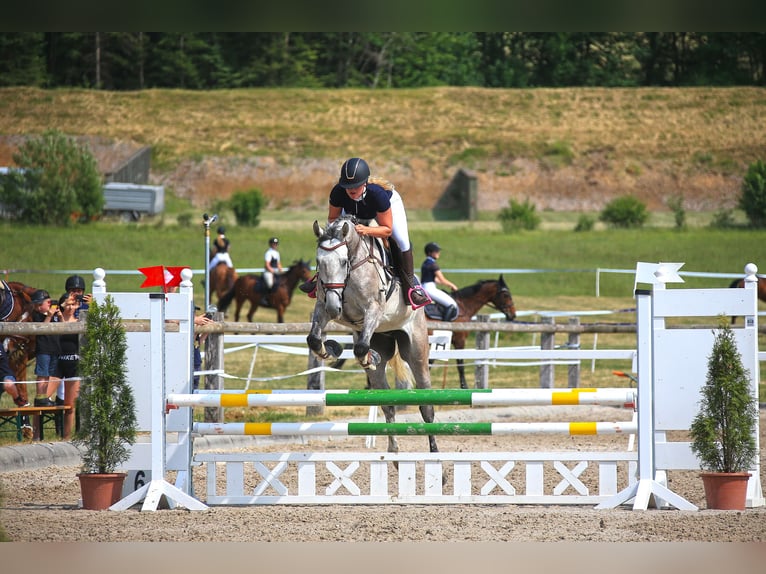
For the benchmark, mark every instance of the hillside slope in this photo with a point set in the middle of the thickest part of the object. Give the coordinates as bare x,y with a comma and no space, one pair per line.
566,149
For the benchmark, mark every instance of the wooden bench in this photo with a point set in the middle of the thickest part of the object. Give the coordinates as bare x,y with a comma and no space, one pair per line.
15,416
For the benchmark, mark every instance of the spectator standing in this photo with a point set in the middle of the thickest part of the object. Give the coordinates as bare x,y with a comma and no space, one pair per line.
68,365
47,349
76,285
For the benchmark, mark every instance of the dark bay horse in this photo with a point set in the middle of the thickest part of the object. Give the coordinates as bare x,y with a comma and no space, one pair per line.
355,289
492,292
279,298
740,283
222,279
761,286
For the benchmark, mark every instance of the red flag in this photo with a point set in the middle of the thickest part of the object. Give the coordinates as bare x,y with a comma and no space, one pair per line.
175,276
155,276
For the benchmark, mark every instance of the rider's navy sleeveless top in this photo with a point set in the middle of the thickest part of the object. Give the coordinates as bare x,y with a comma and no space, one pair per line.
428,270
376,200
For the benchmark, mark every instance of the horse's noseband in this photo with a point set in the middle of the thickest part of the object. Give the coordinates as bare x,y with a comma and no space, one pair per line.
334,286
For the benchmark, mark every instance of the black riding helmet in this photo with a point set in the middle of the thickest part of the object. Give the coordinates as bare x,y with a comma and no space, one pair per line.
222,230
354,173
74,282
274,241
432,248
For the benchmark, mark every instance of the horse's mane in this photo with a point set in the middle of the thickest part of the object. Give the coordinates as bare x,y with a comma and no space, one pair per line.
333,230
471,290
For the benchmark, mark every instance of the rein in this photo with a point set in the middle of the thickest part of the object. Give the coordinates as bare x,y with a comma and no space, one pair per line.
370,258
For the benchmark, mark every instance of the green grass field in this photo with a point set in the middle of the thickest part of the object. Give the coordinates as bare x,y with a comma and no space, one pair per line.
565,280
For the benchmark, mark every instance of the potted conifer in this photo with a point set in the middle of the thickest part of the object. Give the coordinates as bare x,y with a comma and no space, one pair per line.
106,405
723,431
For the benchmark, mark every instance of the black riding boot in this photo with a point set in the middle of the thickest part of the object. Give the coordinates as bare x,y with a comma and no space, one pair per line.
416,295
309,286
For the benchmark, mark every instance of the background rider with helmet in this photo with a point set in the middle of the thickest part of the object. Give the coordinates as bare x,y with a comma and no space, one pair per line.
431,276
222,246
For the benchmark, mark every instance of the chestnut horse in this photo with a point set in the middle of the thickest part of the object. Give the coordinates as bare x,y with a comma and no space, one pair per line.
16,306
222,279
494,293
246,289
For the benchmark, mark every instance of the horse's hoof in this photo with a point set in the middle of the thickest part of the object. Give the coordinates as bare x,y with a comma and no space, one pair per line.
333,348
374,358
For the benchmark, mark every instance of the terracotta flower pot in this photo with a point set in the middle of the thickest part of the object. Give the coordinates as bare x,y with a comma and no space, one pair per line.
725,490
100,491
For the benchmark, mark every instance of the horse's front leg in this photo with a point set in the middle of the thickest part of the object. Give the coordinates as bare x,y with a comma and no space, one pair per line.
321,348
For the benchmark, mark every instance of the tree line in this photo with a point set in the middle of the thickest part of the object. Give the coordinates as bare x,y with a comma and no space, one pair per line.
215,60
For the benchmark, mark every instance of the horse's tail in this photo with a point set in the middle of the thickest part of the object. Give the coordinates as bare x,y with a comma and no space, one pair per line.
226,300
737,283
402,372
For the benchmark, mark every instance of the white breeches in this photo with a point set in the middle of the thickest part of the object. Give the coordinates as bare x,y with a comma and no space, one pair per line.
438,295
268,278
221,258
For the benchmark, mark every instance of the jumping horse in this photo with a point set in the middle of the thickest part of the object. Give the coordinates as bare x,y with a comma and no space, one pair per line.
356,288
246,288
492,292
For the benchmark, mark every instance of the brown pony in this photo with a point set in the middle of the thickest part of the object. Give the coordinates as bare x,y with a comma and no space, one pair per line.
250,288
222,279
16,306
469,300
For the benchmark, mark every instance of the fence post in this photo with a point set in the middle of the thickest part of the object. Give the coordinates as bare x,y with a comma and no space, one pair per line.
315,381
482,343
546,343
214,361
573,374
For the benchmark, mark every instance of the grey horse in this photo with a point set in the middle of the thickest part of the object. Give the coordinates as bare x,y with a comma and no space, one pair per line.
355,288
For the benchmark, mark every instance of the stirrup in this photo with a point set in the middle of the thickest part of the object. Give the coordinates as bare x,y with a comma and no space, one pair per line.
423,292
309,286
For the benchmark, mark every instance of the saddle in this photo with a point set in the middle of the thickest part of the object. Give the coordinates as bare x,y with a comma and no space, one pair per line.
439,312
6,301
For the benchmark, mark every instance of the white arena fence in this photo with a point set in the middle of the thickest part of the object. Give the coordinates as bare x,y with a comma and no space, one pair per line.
671,364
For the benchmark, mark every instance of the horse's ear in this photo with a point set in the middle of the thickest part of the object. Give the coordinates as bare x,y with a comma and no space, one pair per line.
502,280
345,228
318,231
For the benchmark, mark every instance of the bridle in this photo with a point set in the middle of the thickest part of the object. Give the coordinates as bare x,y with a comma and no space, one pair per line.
500,292
369,258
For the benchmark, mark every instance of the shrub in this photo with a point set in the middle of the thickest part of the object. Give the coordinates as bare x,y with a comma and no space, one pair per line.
753,196
585,223
676,205
723,431
247,206
626,212
57,180
723,219
518,216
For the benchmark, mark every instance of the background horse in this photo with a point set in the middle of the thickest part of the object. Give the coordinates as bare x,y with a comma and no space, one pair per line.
16,306
279,298
740,283
494,293
355,289
761,286
222,279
